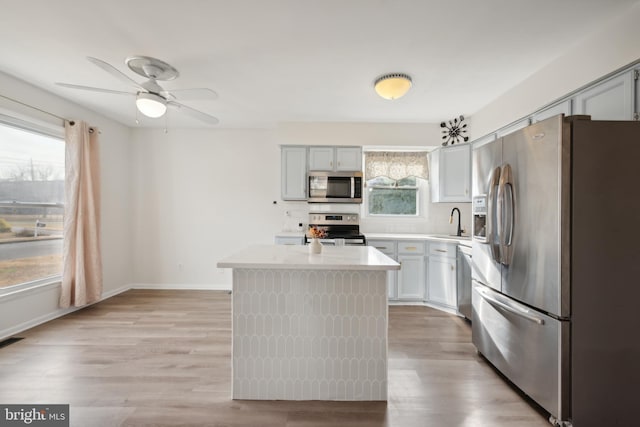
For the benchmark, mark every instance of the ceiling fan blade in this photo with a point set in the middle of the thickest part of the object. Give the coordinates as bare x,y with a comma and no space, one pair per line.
114,72
194,93
194,113
94,89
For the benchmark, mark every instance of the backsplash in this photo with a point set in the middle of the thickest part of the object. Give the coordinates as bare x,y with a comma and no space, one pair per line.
435,218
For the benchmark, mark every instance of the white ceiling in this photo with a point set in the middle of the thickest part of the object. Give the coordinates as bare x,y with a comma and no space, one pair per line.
297,60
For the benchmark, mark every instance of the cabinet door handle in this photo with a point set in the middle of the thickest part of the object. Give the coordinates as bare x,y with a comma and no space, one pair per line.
410,248
380,247
441,250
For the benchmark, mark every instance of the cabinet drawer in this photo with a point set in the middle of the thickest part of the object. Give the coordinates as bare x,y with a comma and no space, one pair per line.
416,248
442,249
387,247
289,240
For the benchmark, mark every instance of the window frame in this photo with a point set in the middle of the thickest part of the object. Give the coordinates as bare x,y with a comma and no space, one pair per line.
422,195
49,130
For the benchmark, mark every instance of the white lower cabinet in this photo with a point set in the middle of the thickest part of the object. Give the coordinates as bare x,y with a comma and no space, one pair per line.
428,271
392,285
441,282
411,277
388,247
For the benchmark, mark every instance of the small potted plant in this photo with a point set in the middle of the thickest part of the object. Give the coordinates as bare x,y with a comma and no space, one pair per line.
315,233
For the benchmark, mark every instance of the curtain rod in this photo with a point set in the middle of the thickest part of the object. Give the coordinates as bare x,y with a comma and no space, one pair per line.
71,122
35,108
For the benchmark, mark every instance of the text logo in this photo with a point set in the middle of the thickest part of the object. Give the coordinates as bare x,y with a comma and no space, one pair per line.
34,415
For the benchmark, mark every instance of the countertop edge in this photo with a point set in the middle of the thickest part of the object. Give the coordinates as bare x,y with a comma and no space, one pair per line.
285,257
334,267
417,236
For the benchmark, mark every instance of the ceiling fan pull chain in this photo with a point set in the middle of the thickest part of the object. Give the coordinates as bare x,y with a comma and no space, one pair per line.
166,123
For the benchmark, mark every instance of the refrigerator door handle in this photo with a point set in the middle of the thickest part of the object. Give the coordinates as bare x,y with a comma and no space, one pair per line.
521,312
506,218
507,237
492,228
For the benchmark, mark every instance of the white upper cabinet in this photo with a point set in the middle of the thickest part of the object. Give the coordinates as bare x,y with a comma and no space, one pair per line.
450,174
348,158
335,158
293,169
563,107
610,100
520,124
321,158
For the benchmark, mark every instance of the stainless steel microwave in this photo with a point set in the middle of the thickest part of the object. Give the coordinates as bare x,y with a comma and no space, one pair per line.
335,187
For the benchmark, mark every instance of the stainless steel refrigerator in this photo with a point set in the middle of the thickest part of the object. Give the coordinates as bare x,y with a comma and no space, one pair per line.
556,274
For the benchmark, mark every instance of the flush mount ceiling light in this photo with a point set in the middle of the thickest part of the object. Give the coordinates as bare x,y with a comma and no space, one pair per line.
151,105
392,86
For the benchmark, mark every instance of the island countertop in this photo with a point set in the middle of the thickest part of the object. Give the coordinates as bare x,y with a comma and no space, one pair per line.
298,258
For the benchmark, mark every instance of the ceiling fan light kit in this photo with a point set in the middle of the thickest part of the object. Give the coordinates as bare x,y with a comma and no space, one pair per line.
151,105
392,86
152,99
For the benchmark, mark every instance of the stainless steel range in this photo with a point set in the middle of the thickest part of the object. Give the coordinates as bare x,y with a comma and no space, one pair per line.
340,228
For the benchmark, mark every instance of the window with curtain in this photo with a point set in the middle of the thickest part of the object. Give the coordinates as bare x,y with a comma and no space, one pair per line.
32,173
394,182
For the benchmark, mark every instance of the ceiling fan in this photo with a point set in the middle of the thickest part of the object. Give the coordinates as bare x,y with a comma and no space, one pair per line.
151,99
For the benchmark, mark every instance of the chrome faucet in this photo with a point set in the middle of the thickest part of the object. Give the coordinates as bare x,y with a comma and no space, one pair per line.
459,231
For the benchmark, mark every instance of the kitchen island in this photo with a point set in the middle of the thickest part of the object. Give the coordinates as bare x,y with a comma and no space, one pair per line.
309,327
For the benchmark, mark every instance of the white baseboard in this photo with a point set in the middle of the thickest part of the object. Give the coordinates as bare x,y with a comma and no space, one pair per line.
6,333
31,323
183,286
427,304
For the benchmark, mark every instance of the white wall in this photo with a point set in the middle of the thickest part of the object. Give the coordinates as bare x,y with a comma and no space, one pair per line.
26,309
201,195
613,46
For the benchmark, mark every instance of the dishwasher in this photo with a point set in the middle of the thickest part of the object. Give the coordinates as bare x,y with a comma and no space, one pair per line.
463,261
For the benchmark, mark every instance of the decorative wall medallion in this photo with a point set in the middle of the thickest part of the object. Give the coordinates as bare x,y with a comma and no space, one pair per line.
454,131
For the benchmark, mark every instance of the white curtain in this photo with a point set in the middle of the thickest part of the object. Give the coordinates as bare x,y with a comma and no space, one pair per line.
82,261
395,165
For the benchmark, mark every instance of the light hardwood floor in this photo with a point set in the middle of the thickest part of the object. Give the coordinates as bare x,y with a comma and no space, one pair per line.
162,358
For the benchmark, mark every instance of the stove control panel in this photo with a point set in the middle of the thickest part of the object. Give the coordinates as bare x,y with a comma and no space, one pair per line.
333,218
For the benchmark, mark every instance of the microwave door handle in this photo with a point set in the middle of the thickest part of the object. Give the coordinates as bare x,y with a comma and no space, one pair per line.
353,187
491,215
